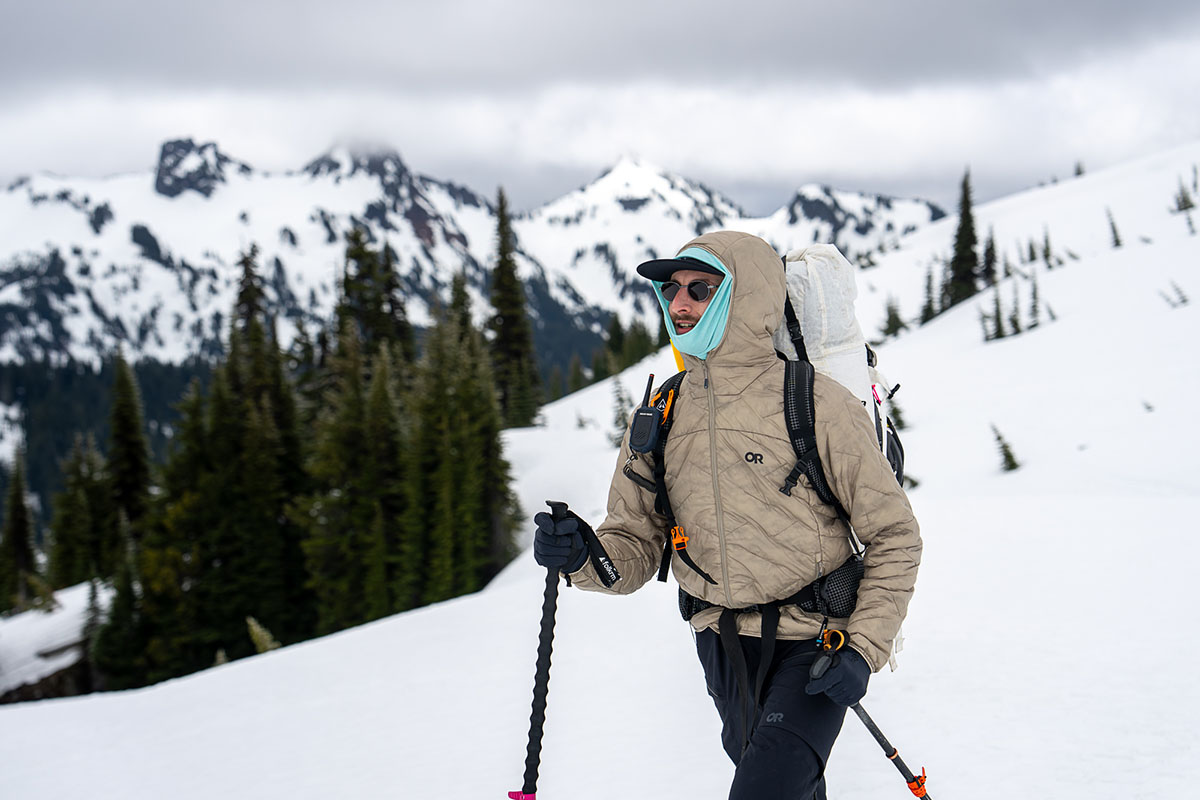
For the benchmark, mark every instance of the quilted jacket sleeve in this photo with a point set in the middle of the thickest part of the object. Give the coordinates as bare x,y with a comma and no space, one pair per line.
632,534
882,518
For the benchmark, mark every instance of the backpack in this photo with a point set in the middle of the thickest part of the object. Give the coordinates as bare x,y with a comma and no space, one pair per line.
820,282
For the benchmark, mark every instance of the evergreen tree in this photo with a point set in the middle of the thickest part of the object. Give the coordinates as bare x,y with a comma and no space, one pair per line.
375,579
1032,252
178,560
988,271
555,387
622,411
307,378
1116,237
997,316
616,341
1078,168
964,264
165,606
362,302
638,344
515,364
219,600
1035,310
601,364
399,329
460,512
383,485
576,380
929,307
1047,253
1008,461
128,452
338,515
1014,318
83,545
18,569
249,305
226,540
893,323
118,652
1183,199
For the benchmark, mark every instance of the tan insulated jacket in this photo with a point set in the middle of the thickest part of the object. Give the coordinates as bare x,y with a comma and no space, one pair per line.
727,455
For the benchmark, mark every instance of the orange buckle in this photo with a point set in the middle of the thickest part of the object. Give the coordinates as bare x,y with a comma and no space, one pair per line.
678,539
667,408
827,640
918,785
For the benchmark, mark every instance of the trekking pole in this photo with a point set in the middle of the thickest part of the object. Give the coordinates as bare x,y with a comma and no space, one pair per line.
916,784
541,680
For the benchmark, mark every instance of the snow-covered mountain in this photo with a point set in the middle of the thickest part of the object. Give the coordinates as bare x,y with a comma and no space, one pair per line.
148,260
1046,643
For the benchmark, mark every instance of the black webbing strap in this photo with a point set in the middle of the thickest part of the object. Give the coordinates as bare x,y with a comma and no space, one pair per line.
799,412
737,659
793,327
676,540
751,697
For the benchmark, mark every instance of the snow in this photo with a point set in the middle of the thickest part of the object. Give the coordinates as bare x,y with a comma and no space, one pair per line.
37,644
12,432
1049,647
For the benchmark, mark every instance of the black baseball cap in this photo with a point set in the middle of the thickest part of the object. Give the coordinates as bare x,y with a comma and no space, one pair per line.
661,269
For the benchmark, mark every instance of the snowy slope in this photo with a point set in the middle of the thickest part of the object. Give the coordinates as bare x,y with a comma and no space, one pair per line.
1073,214
36,644
1050,643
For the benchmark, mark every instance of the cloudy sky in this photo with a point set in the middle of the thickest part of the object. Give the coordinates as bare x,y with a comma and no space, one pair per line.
541,95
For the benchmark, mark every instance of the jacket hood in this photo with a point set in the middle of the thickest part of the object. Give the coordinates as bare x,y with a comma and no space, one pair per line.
756,305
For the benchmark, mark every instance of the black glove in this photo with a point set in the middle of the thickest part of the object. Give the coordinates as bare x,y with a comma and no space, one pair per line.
559,543
845,682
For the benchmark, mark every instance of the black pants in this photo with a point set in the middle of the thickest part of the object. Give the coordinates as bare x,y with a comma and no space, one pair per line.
792,732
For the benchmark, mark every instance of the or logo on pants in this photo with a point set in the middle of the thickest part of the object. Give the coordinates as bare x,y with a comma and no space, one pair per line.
775,716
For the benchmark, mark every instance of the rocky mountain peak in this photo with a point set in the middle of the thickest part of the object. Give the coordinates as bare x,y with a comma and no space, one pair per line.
185,166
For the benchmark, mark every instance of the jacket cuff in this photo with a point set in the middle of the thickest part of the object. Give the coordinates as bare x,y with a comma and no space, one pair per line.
867,651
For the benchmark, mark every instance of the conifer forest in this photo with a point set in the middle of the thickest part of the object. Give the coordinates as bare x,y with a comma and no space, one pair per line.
279,494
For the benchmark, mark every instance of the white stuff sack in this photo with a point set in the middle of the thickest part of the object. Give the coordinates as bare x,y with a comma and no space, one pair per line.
820,282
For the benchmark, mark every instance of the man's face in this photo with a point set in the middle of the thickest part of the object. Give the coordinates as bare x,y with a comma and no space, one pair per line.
684,309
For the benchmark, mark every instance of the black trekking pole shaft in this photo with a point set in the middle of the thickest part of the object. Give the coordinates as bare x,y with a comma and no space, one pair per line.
541,688
917,785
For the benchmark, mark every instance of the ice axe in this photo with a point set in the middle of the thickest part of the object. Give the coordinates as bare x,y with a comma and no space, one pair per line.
916,784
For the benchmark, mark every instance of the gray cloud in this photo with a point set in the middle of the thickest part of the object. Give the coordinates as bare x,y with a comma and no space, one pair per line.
540,96
463,45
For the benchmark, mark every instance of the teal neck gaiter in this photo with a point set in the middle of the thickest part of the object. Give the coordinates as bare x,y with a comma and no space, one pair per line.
709,331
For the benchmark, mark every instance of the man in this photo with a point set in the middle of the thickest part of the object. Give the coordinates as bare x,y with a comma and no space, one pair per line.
748,544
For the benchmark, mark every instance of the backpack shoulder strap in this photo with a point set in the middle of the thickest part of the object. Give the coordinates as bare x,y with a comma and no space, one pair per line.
799,412
793,328
676,542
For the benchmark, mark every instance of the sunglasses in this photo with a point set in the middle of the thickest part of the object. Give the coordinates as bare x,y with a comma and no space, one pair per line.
698,289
